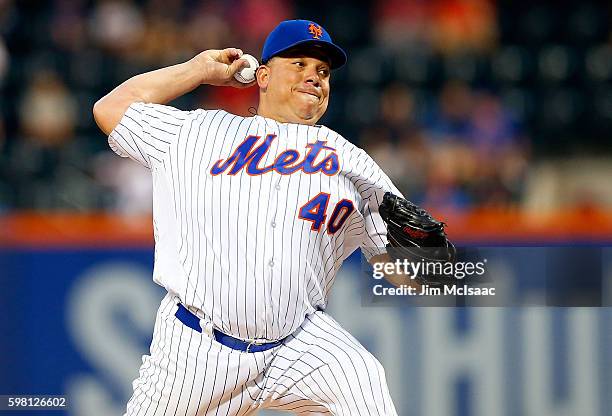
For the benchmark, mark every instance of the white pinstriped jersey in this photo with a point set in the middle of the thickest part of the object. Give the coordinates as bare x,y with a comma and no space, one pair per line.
252,218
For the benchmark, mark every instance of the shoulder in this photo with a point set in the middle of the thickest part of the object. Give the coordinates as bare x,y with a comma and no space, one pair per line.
168,112
220,116
144,113
349,150
336,140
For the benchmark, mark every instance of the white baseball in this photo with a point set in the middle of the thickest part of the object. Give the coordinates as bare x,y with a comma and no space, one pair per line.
247,74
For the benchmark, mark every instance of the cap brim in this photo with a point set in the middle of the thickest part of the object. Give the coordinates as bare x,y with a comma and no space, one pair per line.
337,56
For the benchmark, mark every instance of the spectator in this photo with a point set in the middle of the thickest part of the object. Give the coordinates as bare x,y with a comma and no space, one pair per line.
68,27
463,26
475,154
207,29
396,142
501,152
47,112
450,119
397,110
401,24
254,19
117,26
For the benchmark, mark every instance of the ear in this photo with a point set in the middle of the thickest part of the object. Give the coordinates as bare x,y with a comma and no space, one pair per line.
263,76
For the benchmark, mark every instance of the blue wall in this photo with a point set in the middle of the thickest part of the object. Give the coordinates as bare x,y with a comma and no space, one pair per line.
77,322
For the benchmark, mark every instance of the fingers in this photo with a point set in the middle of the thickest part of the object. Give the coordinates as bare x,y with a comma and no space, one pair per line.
230,55
237,65
226,63
236,53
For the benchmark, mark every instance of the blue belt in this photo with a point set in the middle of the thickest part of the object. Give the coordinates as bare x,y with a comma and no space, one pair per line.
192,321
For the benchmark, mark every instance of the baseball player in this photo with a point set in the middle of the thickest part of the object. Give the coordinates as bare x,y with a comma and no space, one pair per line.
252,217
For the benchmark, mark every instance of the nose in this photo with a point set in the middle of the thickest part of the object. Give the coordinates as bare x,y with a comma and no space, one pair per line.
312,77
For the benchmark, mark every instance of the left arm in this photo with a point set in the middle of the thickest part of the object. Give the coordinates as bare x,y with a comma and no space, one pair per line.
375,183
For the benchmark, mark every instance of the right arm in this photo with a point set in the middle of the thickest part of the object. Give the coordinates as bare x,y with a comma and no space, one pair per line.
213,67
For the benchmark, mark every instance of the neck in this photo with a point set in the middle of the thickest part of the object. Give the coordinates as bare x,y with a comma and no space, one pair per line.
273,113
266,111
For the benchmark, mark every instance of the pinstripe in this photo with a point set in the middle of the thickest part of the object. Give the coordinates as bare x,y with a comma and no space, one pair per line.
332,377
300,278
355,347
332,333
193,381
147,383
234,246
145,367
235,389
215,262
176,372
163,131
188,196
186,367
340,367
214,383
363,394
200,203
299,268
380,382
226,250
332,403
284,139
264,271
345,380
224,388
221,235
299,258
158,368
165,369
349,360
136,147
246,244
203,383
181,169
335,401
142,139
300,379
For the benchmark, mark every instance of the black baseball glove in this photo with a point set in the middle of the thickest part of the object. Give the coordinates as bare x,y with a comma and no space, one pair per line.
417,237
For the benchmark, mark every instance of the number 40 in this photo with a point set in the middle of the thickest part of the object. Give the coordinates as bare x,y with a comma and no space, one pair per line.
315,211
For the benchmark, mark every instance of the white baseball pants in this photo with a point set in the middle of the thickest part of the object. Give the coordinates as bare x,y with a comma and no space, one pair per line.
319,370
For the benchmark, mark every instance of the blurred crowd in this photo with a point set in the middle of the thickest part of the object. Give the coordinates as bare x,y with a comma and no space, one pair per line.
455,99
467,151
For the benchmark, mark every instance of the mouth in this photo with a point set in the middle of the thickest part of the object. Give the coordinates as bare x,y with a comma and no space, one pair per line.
311,94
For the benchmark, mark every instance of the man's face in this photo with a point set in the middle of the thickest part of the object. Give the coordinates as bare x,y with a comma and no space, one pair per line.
295,87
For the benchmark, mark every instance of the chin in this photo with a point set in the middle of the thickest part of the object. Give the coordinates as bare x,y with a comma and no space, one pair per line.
311,115
307,115
310,118
309,111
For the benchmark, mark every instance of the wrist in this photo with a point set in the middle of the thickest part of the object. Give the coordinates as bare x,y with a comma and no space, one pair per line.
199,67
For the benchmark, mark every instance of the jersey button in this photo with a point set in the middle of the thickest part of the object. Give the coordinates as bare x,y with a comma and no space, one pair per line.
271,263
273,224
277,187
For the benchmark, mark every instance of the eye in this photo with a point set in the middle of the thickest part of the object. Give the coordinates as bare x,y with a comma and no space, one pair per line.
299,64
324,72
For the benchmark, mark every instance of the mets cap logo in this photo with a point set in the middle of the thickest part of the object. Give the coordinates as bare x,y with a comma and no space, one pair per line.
315,30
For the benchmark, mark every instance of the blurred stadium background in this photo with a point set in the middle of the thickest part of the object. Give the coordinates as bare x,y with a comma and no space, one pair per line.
494,115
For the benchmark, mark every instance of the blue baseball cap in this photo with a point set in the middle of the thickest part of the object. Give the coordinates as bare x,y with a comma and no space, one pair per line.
292,33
